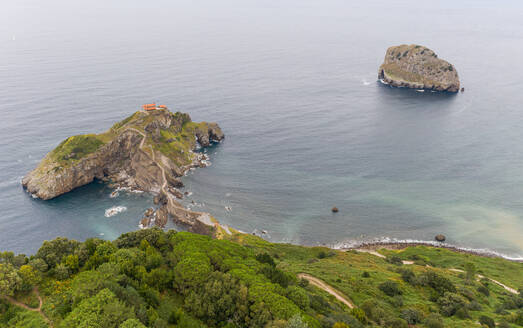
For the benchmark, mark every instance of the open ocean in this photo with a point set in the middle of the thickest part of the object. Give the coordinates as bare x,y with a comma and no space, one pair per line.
293,84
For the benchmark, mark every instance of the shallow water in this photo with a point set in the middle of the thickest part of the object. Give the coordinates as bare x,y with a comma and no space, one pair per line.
293,86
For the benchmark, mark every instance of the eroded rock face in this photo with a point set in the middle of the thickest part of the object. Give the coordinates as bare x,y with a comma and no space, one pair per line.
211,133
415,66
127,159
120,158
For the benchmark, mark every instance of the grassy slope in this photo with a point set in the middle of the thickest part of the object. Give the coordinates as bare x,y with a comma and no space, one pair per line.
344,270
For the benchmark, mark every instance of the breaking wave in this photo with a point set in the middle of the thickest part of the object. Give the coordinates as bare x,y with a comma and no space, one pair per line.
114,210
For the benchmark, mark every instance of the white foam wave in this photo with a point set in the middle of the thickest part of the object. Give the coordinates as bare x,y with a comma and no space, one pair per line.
114,210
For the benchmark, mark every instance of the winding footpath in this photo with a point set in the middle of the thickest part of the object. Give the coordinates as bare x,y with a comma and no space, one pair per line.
479,277
24,306
153,157
329,289
202,217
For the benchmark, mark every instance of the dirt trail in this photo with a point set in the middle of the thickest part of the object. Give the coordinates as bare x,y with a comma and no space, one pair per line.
24,306
509,289
320,284
203,217
164,185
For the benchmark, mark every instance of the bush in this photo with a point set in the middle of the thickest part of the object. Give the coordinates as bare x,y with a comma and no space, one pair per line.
296,322
375,311
365,274
396,323
503,324
439,283
397,301
434,321
484,290
462,313
390,288
277,276
61,272
408,275
360,315
474,306
412,316
396,260
303,283
487,321
299,297
340,325
265,258
450,303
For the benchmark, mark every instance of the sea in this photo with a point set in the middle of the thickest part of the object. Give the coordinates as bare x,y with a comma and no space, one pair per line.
293,85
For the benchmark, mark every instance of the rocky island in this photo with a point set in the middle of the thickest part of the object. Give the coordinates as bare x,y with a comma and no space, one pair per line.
148,151
418,67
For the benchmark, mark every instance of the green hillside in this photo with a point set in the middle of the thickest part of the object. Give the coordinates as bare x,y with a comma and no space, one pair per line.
151,278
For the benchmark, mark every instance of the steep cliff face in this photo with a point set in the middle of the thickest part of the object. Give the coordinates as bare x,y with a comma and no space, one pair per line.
144,151
418,67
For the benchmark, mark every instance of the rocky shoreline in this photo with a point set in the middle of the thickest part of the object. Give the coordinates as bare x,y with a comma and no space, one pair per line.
148,151
398,245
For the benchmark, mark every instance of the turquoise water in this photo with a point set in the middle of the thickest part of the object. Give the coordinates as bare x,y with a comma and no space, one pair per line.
293,86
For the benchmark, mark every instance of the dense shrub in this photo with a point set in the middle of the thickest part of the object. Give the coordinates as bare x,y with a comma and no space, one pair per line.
390,288
503,324
375,311
53,251
298,296
396,260
412,316
396,323
408,275
474,306
360,315
434,321
440,284
450,303
277,276
487,321
462,313
265,258
484,290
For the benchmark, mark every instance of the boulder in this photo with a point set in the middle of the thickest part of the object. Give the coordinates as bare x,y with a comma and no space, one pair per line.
335,209
440,238
418,67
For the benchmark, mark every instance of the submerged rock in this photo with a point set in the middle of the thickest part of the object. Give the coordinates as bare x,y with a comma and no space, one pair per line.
335,209
440,238
418,67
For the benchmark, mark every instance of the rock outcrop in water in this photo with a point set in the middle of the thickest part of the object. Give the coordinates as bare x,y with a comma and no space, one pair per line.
147,151
418,67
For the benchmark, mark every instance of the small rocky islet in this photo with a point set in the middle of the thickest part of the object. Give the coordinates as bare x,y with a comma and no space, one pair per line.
418,67
148,151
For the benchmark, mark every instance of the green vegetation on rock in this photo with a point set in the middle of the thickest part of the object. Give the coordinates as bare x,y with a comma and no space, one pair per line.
76,147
